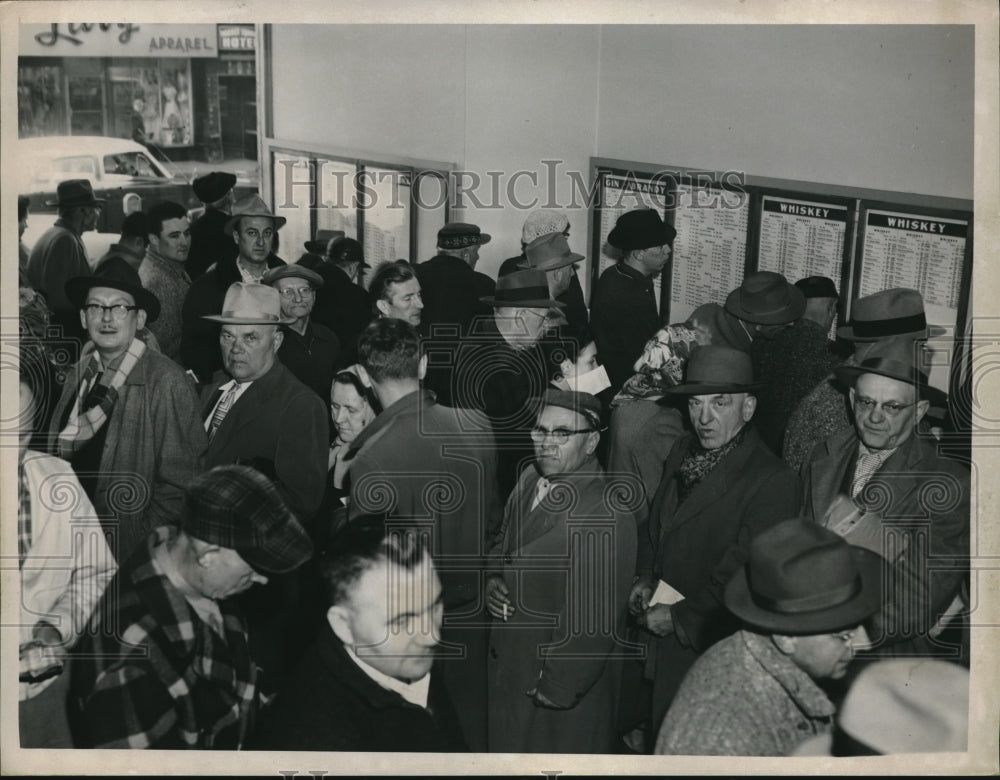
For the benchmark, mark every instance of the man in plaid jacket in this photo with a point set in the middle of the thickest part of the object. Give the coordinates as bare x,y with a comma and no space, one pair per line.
165,663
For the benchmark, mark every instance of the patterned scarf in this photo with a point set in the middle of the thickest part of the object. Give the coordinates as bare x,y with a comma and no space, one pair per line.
699,462
91,412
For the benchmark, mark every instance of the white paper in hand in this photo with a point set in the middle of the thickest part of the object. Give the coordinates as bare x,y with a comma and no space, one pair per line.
664,594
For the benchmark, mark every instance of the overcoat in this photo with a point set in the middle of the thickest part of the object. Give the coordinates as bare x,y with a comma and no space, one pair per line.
567,564
918,510
697,546
154,446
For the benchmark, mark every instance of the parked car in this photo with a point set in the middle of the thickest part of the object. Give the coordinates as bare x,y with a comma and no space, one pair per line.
116,167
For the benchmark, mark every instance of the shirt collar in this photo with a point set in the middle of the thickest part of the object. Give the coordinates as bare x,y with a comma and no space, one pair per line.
415,692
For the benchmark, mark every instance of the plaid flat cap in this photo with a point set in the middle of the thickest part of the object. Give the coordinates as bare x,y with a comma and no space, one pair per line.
239,508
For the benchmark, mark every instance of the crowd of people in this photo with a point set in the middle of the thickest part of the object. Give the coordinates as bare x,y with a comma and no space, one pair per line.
433,511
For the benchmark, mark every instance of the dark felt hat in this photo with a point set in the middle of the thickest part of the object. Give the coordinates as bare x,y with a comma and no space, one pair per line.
116,273
528,288
802,578
74,192
896,358
898,311
766,298
293,269
458,235
321,243
640,229
238,508
576,401
346,250
213,186
715,369
817,287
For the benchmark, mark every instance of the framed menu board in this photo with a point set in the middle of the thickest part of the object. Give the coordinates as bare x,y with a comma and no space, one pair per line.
621,191
928,250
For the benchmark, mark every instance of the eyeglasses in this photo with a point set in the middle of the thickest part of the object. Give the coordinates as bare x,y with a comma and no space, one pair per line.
119,311
559,435
889,408
846,636
291,293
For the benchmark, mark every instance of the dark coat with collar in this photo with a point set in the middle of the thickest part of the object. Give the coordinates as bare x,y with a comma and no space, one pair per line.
574,609
918,519
697,546
331,704
418,459
343,307
623,317
280,424
209,243
200,349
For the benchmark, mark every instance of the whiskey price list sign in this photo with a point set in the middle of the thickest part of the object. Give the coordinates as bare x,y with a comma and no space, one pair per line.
916,251
800,238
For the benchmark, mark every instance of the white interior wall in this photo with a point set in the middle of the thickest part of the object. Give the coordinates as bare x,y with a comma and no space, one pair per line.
876,107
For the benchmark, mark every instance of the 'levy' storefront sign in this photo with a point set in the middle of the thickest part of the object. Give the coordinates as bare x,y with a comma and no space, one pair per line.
74,39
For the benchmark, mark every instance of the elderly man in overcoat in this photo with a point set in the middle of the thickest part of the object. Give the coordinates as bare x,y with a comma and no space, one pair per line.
558,631
721,487
883,485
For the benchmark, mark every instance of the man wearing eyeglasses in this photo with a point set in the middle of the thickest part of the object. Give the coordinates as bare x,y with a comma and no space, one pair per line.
127,420
883,485
309,350
553,683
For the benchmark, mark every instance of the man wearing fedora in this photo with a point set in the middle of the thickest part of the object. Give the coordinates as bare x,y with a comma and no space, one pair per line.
162,271
419,459
561,700
60,255
253,229
624,313
166,662
342,303
803,596
451,289
551,253
309,350
721,487
883,485
824,410
260,415
790,352
210,241
545,222
505,363
127,420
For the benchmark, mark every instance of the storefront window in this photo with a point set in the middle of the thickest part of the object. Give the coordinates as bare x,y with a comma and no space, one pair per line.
41,102
151,101
294,172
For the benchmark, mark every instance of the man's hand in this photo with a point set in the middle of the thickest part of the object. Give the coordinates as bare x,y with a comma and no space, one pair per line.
44,656
657,620
497,602
641,593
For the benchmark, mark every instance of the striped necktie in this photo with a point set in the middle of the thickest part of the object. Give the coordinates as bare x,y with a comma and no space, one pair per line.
222,409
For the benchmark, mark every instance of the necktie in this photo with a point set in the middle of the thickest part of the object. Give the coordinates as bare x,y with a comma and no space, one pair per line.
867,465
94,394
541,491
222,409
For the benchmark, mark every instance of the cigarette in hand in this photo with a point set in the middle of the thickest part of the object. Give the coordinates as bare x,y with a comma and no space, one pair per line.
504,613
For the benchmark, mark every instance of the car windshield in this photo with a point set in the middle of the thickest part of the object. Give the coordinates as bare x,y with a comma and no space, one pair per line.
131,164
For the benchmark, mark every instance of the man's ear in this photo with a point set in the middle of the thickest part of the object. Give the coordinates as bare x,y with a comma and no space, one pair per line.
850,394
236,237
383,306
749,407
83,319
206,554
154,241
422,367
279,338
340,621
786,644
140,319
922,408
363,375
593,439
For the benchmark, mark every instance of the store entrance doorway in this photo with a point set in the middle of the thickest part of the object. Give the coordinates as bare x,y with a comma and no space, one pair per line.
238,116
